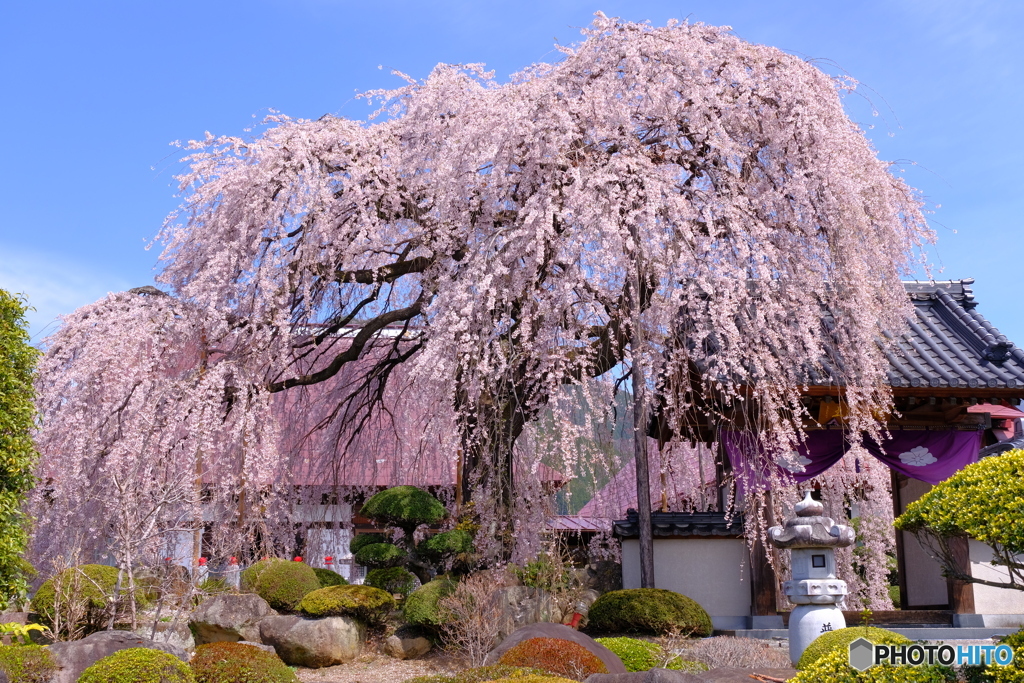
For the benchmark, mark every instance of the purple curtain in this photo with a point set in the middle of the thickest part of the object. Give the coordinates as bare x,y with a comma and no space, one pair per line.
751,462
929,456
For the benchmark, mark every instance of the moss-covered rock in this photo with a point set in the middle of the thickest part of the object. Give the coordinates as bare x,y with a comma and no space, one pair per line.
648,610
84,590
283,584
421,608
391,580
328,577
406,507
381,555
560,657
445,544
239,663
840,639
27,663
138,665
365,603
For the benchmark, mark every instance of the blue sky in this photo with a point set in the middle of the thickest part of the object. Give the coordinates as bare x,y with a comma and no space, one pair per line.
93,94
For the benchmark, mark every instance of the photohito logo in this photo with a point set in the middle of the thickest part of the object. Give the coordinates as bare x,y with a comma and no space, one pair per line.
864,654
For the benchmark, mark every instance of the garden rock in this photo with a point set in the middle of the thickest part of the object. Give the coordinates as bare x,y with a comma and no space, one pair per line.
611,661
75,657
652,676
229,617
178,635
265,648
402,646
313,643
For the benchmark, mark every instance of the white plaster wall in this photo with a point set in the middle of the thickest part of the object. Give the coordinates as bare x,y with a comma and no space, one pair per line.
989,600
713,571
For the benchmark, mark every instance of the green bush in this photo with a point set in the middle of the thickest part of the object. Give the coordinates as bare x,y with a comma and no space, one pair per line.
636,655
27,663
560,657
83,589
406,507
249,576
835,666
363,540
283,584
481,674
328,577
381,555
421,607
648,610
1014,673
391,580
840,640
366,603
238,663
439,546
213,586
138,665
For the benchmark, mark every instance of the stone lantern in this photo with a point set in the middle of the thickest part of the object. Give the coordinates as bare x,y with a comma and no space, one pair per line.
814,588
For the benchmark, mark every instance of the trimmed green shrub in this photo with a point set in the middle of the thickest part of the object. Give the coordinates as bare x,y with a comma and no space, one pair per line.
366,603
249,576
648,610
481,674
391,580
421,607
835,666
545,678
381,555
560,657
329,577
214,585
438,546
87,587
1014,673
138,665
363,540
237,663
406,507
283,584
27,663
840,640
636,655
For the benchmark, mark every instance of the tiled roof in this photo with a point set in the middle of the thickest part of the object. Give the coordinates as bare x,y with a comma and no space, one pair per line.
950,344
682,524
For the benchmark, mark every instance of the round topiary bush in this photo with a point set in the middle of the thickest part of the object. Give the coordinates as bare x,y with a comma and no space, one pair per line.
363,540
421,608
380,555
648,610
138,665
391,580
27,663
238,663
454,542
835,666
328,577
366,603
84,589
636,654
249,575
560,657
283,584
406,507
840,639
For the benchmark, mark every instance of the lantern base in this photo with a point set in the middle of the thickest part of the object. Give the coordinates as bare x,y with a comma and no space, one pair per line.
807,622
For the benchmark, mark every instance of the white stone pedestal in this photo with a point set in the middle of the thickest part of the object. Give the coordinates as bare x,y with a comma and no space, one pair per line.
807,622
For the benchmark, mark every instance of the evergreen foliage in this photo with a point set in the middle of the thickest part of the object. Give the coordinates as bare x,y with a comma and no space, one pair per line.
835,667
138,665
381,555
840,639
405,507
648,610
362,540
27,663
17,452
84,589
237,663
445,544
391,580
365,603
329,577
283,584
643,655
422,607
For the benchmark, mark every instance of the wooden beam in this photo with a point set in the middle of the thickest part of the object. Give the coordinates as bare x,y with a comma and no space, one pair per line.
901,560
961,593
762,576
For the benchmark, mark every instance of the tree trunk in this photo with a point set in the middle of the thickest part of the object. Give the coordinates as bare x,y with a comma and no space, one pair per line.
643,480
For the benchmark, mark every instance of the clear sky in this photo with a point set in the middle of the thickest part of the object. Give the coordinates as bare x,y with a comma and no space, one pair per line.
93,93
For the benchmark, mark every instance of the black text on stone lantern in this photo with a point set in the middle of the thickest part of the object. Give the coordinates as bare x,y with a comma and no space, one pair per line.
814,588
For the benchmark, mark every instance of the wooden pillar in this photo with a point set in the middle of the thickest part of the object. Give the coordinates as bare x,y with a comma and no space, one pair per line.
901,559
762,576
961,593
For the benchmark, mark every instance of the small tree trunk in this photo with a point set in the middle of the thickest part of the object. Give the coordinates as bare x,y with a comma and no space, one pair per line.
643,481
